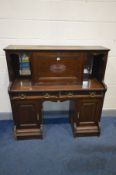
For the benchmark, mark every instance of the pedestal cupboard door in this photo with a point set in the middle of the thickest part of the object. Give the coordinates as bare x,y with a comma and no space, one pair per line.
26,114
89,110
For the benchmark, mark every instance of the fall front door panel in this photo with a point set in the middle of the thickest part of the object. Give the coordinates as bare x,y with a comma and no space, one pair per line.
63,67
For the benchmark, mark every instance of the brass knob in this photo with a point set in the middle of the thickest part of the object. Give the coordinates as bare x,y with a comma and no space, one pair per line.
58,58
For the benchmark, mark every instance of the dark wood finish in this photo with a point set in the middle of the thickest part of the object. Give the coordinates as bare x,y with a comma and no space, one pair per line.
58,67
57,73
27,117
86,117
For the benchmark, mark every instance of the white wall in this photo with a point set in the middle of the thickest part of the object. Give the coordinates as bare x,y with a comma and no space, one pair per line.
58,22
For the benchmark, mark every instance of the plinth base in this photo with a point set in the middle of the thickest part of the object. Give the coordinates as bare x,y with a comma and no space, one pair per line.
85,129
33,133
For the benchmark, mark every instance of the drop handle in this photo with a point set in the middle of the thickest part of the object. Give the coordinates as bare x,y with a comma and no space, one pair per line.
69,95
46,95
92,94
22,96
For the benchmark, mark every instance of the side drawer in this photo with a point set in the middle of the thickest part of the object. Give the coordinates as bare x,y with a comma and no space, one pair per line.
82,94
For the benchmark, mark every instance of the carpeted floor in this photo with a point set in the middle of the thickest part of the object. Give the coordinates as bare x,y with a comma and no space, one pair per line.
59,153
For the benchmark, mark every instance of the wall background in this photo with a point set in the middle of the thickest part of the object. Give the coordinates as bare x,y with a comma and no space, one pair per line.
58,22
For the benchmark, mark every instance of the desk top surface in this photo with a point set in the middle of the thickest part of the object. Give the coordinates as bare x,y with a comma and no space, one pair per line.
42,47
27,85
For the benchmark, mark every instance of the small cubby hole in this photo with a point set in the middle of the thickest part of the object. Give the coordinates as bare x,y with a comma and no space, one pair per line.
16,65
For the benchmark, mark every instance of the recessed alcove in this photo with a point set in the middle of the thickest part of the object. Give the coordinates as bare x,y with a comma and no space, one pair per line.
56,112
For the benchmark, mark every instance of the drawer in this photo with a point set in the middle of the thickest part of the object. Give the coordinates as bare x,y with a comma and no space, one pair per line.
34,96
57,95
81,94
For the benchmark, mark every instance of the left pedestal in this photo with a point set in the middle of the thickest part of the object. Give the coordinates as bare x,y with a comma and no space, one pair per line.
27,115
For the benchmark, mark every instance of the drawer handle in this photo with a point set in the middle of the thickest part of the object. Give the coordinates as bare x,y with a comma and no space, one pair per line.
92,94
70,94
46,95
50,96
22,96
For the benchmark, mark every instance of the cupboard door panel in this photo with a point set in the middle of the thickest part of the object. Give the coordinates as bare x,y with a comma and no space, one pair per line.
86,116
26,113
89,110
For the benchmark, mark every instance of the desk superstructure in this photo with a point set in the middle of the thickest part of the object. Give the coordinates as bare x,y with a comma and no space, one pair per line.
56,73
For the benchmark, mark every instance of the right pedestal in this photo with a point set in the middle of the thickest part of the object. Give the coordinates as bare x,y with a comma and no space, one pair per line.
86,115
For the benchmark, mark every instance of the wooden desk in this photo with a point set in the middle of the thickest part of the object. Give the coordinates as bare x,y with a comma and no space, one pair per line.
43,73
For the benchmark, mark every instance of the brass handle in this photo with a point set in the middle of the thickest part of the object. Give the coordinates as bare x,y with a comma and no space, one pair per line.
22,96
92,94
46,95
70,95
